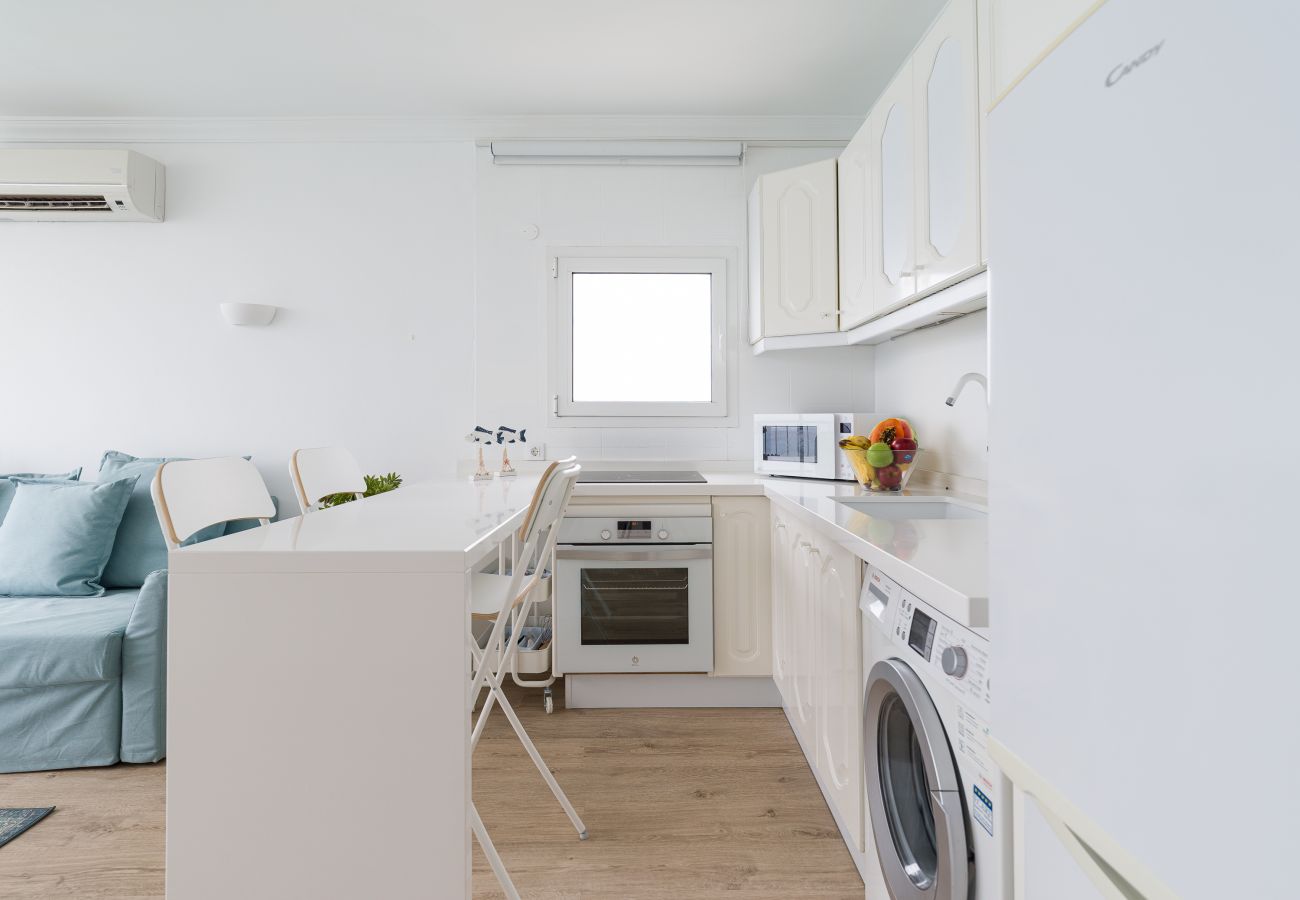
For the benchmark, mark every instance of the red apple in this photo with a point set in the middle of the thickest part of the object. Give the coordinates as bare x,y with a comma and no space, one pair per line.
890,477
904,449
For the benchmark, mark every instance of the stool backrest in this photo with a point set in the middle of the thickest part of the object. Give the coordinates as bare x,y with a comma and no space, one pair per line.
551,499
191,494
320,471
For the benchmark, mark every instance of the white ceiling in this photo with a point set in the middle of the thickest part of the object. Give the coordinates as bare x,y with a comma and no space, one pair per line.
91,58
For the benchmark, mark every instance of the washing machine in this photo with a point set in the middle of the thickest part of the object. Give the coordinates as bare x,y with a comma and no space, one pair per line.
937,807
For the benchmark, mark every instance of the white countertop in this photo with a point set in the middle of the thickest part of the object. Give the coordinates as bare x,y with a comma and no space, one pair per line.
444,526
943,561
433,526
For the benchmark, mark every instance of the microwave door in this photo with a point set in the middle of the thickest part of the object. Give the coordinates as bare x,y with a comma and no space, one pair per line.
802,446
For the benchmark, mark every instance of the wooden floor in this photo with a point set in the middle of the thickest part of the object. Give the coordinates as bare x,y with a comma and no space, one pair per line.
680,804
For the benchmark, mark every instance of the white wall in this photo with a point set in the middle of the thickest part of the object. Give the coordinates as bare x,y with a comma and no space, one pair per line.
641,206
914,375
112,338
110,335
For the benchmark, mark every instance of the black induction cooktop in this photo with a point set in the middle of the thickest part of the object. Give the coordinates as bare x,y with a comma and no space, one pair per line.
639,477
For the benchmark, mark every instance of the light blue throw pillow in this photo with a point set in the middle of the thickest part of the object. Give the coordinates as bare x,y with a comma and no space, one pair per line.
57,536
7,487
140,548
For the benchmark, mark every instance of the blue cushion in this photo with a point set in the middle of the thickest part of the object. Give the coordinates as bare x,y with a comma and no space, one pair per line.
140,548
74,475
62,640
57,536
7,486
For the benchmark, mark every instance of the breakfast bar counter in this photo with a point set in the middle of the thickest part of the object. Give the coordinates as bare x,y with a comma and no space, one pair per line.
318,720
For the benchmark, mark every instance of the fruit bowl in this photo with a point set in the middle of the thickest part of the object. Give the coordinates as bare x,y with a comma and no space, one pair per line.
883,461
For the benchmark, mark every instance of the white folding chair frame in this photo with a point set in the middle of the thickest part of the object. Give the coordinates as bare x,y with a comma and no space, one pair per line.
538,535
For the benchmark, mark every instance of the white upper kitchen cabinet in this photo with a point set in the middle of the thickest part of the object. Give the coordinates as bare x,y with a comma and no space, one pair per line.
1023,31
945,82
793,282
742,587
857,303
893,184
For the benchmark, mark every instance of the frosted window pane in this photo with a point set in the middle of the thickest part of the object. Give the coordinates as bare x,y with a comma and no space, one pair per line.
642,337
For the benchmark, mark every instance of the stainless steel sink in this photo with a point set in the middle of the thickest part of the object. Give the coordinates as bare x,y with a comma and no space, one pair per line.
894,509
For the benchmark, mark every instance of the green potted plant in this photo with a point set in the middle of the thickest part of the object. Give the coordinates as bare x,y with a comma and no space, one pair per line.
375,484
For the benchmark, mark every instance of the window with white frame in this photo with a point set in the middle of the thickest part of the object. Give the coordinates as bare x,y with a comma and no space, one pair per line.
640,336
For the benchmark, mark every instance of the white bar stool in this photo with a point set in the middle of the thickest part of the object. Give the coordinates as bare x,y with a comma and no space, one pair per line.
510,598
191,494
318,472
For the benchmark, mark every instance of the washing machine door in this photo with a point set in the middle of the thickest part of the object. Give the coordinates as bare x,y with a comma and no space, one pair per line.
913,789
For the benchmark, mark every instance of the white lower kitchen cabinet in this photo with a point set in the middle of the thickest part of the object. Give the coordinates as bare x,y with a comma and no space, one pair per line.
742,587
782,556
838,682
817,661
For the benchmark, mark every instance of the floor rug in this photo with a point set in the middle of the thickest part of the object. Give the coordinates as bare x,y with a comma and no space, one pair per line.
14,822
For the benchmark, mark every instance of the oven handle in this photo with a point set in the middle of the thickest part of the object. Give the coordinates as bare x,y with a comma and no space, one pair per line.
598,553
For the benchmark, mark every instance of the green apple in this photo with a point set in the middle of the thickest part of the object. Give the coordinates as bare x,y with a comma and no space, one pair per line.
880,454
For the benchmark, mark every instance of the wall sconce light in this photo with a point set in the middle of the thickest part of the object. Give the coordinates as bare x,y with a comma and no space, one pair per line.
248,313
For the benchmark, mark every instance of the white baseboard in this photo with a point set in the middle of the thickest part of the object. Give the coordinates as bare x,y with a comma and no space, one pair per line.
664,690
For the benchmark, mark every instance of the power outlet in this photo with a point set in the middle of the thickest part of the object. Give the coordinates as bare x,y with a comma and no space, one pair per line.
535,451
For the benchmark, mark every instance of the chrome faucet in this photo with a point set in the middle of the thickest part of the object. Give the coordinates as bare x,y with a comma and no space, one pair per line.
961,386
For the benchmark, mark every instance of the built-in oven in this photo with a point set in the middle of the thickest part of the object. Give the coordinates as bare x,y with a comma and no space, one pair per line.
634,593
806,445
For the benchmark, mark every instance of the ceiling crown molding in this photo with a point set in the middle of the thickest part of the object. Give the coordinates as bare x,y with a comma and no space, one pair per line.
779,130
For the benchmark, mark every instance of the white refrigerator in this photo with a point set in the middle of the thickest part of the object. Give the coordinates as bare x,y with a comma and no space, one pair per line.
1144,204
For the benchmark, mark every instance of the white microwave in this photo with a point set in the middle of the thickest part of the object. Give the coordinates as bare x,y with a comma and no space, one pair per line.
806,445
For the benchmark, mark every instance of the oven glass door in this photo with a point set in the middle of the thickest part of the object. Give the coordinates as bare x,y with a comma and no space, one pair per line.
634,609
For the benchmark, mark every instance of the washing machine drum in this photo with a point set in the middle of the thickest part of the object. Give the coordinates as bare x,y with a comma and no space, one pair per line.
914,789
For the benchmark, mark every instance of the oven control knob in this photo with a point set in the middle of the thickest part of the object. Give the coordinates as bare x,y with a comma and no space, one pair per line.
606,535
954,661
663,535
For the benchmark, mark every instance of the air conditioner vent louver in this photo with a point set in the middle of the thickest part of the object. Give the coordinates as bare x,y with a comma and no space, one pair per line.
88,203
80,185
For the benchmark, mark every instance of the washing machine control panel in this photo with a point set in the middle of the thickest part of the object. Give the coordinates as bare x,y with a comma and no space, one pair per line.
928,639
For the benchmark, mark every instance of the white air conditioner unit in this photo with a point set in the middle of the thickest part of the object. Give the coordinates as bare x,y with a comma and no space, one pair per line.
80,186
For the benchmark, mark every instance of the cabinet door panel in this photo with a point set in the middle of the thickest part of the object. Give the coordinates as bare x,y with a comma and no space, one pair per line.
796,246
742,607
947,138
839,723
803,630
856,214
782,553
893,181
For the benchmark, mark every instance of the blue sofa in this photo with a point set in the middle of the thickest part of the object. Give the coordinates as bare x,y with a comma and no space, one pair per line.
83,679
